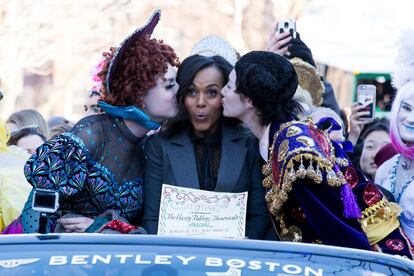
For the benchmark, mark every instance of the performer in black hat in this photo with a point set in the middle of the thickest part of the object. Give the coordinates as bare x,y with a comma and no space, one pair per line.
313,191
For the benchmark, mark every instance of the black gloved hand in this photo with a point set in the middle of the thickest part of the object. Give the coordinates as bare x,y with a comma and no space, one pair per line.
297,48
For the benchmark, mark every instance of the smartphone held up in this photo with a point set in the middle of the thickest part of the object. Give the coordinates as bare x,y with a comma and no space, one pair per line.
288,25
366,96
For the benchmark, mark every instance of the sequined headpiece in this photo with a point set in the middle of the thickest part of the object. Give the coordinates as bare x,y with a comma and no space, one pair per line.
215,46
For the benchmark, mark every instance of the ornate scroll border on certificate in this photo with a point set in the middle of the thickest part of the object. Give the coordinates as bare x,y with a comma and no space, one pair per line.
193,212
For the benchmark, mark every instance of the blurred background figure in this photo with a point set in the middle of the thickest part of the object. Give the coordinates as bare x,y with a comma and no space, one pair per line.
59,129
58,125
373,138
56,120
27,118
14,189
91,104
29,139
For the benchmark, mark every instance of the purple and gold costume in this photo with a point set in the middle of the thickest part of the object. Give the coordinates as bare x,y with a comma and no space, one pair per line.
317,196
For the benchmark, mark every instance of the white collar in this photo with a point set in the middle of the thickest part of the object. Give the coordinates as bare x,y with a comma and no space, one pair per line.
264,144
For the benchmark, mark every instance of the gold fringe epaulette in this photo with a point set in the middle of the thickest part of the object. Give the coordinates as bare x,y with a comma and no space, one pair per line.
380,219
294,169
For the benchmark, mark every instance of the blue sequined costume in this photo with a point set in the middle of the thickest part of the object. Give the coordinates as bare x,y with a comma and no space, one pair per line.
95,167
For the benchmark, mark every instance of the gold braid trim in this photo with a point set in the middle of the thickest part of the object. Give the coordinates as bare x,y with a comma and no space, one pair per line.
380,219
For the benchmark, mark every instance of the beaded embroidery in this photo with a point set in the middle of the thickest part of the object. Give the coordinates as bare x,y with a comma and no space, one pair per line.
394,181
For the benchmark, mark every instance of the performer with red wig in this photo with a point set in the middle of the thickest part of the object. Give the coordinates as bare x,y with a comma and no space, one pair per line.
97,167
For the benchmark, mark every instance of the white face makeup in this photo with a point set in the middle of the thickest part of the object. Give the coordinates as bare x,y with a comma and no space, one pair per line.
233,104
405,119
160,103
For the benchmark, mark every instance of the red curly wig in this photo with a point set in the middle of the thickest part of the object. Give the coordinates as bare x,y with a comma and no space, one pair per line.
143,63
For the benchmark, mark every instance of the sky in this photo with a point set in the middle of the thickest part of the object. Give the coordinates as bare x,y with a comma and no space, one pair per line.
357,35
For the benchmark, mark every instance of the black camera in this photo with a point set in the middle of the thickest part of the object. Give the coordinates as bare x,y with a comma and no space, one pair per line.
46,201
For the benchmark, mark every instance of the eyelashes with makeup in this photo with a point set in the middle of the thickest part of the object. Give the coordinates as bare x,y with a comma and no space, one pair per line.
210,92
406,107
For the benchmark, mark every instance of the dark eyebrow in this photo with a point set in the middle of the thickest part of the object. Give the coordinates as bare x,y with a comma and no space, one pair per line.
213,84
403,102
170,80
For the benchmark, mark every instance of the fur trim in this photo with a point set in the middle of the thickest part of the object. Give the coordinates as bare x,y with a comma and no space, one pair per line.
404,71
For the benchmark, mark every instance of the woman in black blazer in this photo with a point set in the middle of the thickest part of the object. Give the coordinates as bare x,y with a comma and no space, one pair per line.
203,150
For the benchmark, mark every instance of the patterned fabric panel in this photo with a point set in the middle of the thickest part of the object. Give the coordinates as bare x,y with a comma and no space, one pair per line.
85,186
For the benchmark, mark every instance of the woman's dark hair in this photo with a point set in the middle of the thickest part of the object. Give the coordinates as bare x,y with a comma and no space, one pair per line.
379,124
185,76
16,136
270,81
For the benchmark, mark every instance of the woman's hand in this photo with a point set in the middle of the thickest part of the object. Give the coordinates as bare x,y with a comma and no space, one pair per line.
278,43
75,225
356,123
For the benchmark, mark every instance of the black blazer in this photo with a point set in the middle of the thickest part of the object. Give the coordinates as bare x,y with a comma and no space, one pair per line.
172,161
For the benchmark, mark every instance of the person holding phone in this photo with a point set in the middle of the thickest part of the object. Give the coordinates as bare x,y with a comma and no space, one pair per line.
284,44
356,122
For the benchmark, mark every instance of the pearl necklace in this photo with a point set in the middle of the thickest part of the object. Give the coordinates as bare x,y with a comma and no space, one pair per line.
394,181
